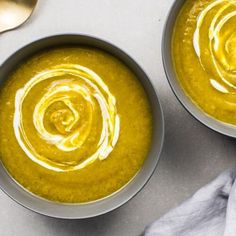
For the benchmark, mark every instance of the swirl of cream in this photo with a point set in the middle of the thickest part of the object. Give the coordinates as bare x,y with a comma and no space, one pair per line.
214,41
89,86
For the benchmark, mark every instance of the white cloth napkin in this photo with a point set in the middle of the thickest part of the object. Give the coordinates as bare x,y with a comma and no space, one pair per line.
211,211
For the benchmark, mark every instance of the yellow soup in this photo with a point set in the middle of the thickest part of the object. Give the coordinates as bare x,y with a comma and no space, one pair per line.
75,124
204,55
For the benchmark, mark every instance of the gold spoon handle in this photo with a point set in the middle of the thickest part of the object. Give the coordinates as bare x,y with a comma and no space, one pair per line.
14,13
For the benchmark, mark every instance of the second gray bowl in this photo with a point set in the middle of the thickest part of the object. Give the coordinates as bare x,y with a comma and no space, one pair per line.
199,114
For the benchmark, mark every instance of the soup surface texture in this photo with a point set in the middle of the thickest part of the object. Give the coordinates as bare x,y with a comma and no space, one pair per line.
75,124
204,55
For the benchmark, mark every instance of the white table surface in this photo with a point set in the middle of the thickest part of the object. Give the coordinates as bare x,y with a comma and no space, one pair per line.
193,155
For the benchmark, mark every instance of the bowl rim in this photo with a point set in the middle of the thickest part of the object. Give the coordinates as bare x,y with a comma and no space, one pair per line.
189,105
26,199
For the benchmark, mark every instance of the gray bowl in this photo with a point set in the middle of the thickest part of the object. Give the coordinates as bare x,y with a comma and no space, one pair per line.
210,122
79,211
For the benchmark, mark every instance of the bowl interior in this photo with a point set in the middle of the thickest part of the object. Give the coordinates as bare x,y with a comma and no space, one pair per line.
78,211
210,122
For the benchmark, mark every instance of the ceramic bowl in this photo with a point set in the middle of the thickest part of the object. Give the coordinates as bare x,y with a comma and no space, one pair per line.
79,211
210,122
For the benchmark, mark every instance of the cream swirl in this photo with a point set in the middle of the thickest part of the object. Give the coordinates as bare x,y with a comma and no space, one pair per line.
80,83
214,42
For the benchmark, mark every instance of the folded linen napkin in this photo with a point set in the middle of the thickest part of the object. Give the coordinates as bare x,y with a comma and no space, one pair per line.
211,211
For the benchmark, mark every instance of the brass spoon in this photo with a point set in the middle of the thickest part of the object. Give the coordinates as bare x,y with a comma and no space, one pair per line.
14,13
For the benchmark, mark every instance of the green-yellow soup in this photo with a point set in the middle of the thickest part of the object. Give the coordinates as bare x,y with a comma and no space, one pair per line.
204,56
75,124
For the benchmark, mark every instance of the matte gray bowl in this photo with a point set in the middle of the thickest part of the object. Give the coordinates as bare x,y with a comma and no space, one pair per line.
79,211
210,122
